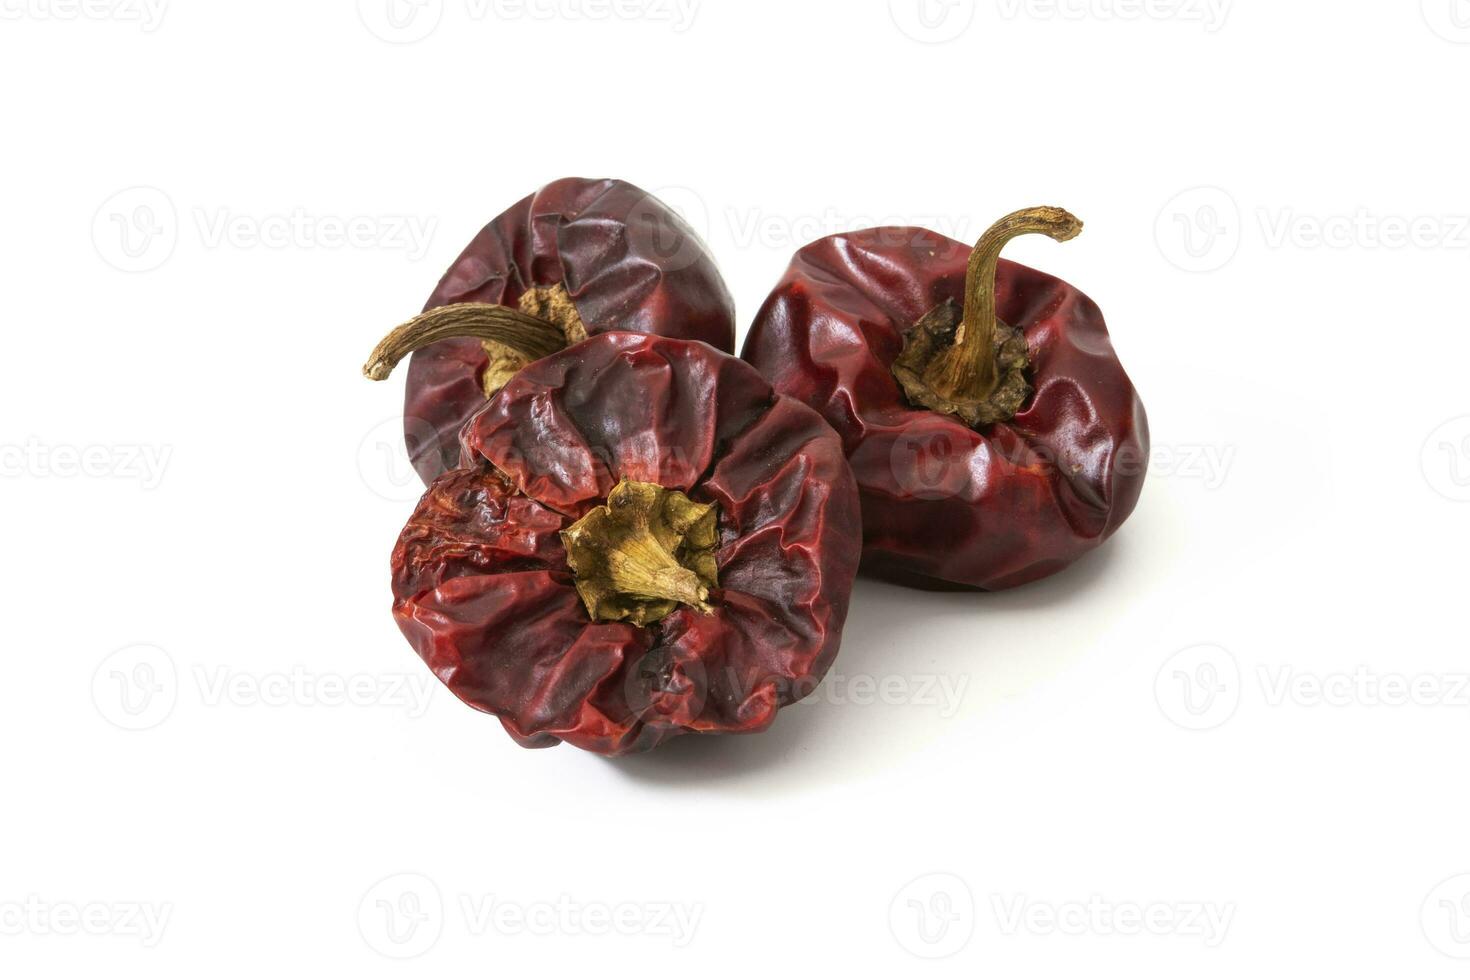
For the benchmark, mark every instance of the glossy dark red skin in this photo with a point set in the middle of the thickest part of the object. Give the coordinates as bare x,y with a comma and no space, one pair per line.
945,505
480,579
628,261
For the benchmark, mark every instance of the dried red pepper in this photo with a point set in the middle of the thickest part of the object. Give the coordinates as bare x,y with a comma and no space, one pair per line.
642,540
994,434
583,257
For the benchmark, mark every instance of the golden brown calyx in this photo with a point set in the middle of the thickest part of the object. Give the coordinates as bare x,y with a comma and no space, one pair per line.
966,362
644,553
554,305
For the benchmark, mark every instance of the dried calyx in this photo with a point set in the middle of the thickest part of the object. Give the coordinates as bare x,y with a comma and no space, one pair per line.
546,322
644,553
552,304
964,361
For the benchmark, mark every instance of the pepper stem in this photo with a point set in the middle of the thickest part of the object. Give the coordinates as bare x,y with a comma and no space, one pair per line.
975,368
530,336
969,366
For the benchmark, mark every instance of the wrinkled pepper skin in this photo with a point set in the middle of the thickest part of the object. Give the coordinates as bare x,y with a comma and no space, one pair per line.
628,261
945,505
484,594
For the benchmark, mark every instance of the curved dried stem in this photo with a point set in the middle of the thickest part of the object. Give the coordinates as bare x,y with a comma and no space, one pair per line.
530,336
968,363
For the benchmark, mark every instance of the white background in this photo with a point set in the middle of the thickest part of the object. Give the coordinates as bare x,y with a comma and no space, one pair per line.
1231,742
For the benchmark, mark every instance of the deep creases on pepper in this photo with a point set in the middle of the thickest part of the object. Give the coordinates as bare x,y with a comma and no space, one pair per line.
977,474
584,256
746,490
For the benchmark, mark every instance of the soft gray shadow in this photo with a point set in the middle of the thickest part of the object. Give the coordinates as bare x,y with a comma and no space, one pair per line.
815,743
